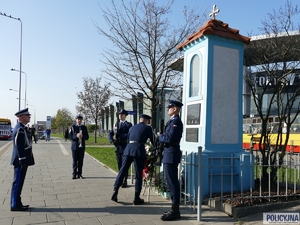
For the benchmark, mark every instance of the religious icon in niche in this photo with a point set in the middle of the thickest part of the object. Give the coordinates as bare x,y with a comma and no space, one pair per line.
193,114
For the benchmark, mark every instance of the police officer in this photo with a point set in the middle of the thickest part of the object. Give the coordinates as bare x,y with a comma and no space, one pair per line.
118,137
78,134
135,152
172,156
22,157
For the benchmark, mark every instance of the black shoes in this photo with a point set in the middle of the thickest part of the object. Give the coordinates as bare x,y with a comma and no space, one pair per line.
22,208
124,185
138,201
173,214
80,176
114,197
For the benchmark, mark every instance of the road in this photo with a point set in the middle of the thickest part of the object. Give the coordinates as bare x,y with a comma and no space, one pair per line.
4,145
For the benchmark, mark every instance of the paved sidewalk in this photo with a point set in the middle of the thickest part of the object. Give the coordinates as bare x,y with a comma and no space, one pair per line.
55,198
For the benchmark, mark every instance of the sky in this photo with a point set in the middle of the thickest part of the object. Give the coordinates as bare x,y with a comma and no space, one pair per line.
61,45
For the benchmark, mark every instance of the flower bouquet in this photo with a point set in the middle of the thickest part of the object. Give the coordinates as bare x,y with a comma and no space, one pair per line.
149,167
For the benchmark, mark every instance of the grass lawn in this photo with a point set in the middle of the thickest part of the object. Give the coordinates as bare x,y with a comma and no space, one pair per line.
105,155
100,141
91,141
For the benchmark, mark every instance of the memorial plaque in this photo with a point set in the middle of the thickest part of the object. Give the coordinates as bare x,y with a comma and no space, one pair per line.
193,114
191,135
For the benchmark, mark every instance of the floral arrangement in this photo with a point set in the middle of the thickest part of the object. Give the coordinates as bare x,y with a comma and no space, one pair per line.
151,158
149,168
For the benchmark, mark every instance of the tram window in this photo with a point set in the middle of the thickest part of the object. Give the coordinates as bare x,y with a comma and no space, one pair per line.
270,119
276,119
254,120
258,120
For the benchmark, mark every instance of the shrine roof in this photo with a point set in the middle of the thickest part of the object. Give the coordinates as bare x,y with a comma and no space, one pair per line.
218,28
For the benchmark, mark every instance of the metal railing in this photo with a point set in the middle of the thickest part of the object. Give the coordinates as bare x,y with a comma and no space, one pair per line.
282,187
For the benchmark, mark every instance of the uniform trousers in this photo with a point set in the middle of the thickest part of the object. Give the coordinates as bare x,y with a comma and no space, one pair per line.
138,165
17,186
173,182
34,138
119,157
77,156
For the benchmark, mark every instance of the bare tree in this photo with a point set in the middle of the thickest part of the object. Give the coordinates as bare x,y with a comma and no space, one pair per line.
92,99
145,42
275,82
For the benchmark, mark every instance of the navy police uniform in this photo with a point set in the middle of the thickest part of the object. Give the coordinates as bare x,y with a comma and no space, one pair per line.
22,157
78,149
118,136
172,155
135,152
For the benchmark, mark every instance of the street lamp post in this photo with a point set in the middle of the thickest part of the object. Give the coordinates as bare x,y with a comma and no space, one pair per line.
24,100
12,69
13,90
11,17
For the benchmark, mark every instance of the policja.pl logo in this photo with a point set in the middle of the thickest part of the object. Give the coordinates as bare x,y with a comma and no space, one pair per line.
281,218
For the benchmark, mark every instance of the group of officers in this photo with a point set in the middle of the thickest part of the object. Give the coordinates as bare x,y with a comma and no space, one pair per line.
130,142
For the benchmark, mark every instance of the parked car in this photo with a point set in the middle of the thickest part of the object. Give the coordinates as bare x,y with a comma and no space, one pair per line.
41,135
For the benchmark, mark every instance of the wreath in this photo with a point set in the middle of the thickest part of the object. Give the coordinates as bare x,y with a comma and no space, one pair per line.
151,158
149,166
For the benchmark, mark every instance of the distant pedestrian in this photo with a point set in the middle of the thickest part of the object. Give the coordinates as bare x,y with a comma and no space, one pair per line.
22,157
48,132
66,134
78,134
33,133
135,152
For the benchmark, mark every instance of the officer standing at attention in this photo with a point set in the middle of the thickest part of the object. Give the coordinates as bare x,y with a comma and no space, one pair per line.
135,152
118,137
172,156
78,134
22,157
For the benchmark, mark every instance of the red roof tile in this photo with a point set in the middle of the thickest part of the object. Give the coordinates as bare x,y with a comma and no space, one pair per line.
215,27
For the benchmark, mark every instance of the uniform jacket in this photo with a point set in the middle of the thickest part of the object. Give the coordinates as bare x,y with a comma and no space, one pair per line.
171,139
22,149
122,135
140,134
73,131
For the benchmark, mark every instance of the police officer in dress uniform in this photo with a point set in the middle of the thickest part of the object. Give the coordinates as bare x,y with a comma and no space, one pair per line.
135,152
172,156
78,134
118,137
22,157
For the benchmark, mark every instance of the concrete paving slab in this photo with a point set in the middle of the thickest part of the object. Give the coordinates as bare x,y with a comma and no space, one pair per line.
84,221
31,219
